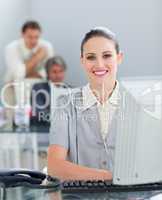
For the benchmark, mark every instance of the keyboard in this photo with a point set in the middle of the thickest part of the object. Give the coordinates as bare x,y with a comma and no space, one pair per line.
105,186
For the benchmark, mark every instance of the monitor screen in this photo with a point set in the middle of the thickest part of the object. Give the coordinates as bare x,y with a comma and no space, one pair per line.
138,149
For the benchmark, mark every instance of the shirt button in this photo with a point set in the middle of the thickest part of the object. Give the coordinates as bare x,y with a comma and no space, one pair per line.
104,162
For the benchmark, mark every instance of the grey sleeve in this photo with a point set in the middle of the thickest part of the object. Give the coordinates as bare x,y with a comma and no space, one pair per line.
59,133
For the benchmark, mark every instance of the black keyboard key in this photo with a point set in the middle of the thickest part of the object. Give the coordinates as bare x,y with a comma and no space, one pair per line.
90,184
101,184
72,184
82,183
108,183
77,183
66,184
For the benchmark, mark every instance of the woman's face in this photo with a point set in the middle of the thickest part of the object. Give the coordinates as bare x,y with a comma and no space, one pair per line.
100,60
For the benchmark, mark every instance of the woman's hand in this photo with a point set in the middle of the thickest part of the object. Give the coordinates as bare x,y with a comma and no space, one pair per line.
59,167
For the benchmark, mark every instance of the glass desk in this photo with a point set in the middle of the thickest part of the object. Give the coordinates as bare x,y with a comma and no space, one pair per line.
23,150
23,193
29,150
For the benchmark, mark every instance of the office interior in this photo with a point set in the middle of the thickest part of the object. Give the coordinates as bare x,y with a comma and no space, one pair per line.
136,24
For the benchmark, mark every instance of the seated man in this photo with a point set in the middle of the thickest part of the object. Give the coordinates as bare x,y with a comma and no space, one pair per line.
41,93
25,58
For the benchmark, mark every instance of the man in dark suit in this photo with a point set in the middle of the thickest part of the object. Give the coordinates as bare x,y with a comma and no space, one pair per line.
41,94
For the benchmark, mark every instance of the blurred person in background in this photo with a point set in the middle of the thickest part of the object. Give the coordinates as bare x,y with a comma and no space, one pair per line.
25,59
41,92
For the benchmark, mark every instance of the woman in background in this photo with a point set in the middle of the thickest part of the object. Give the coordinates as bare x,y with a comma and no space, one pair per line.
82,138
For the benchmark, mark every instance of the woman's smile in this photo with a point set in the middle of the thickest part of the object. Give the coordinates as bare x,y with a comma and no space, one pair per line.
100,72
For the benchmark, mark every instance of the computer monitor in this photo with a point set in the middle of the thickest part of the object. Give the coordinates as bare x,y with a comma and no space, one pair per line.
138,154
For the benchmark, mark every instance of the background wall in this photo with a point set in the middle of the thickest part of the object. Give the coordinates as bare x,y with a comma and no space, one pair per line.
13,14
136,23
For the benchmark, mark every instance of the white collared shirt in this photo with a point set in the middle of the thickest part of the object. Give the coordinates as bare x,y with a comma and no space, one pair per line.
16,53
106,110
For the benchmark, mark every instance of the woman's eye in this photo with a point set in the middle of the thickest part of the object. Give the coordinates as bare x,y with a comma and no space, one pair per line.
107,56
90,57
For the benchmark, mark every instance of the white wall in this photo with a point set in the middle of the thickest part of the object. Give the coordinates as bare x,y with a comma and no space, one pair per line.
137,24
13,14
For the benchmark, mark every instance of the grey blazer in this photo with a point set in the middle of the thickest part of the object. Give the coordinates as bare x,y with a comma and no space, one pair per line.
78,131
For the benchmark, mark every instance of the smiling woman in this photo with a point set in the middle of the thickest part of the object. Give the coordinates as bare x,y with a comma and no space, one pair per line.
100,56
86,136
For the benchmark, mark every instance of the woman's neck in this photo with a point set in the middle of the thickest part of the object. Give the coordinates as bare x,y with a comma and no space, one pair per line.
104,91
